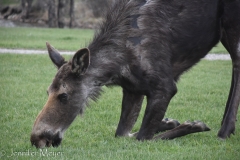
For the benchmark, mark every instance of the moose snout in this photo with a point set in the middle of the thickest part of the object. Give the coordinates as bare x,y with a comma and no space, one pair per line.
46,139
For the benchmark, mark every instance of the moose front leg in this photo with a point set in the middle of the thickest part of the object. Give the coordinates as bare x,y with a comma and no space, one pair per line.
131,106
156,107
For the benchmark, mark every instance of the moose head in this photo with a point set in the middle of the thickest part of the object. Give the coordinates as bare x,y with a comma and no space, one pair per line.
67,96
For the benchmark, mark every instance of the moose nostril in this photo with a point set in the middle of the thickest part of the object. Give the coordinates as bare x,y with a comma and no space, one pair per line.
33,143
48,143
56,139
34,140
42,140
46,139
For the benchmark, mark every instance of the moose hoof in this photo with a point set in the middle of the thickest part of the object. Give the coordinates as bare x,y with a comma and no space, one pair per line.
197,126
225,132
171,123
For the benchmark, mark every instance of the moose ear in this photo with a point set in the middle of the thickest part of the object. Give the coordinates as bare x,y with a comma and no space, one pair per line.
55,56
81,61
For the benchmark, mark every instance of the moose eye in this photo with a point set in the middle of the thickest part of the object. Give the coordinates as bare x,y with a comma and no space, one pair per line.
63,97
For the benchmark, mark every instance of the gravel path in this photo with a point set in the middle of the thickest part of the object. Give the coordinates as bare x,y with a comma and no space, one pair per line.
210,56
27,51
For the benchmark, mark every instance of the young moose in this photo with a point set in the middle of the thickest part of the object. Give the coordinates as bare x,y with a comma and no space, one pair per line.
143,46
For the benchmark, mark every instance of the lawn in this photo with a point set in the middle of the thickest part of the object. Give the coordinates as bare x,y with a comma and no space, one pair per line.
202,94
35,38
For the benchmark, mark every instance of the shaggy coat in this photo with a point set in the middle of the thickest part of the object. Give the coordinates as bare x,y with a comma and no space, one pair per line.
143,46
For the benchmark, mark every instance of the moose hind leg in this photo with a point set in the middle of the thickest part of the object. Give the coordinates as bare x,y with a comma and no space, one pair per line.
231,41
183,129
131,106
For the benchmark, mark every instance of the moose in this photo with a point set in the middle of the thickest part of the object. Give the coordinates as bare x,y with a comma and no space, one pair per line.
143,46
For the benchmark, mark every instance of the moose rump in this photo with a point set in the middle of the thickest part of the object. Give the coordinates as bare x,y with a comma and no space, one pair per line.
143,46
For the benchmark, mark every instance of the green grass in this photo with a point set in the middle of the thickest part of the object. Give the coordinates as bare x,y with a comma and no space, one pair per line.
62,39
218,49
202,95
36,38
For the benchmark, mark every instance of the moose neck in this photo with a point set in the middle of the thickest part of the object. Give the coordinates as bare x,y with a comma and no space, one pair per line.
109,55
105,66
108,49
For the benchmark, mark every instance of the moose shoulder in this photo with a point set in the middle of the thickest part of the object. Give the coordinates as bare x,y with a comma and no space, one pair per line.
143,46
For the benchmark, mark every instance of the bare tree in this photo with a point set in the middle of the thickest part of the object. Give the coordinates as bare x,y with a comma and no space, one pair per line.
61,12
26,7
63,7
52,17
71,14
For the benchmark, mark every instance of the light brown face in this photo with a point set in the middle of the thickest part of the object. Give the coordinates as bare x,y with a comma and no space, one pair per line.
58,112
65,100
45,132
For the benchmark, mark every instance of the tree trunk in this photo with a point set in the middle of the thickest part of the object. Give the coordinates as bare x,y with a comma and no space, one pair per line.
61,13
24,10
71,14
52,18
26,7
